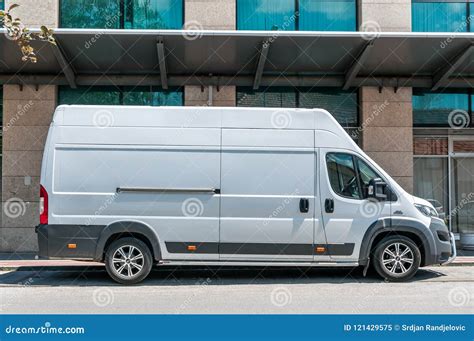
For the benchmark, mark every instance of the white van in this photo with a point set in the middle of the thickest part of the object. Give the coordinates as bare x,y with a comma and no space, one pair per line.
138,186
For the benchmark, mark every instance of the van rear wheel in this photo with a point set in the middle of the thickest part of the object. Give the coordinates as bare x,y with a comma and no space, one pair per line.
396,258
128,260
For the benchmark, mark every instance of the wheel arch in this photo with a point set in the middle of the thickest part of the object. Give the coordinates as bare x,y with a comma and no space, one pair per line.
121,229
416,231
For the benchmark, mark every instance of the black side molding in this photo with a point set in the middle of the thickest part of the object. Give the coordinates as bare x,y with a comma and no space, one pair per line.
259,248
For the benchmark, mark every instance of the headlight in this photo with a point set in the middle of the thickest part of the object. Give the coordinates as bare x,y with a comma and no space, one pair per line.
427,210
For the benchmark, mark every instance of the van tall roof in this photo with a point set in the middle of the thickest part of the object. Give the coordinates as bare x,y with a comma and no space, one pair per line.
195,117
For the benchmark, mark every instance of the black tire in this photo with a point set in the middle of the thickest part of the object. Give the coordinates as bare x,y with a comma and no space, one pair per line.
400,269
136,268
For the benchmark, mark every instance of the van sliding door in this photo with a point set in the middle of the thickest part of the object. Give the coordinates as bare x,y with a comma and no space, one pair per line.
267,200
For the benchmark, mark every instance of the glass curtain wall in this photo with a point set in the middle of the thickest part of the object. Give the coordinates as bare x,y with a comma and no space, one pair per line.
146,14
90,14
437,109
122,14
266,15
343,105
442,16
303,15
338,15
152,96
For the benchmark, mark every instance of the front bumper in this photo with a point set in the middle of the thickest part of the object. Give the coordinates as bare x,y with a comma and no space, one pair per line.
444,251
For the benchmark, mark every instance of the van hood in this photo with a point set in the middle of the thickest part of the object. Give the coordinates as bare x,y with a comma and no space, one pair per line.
420,201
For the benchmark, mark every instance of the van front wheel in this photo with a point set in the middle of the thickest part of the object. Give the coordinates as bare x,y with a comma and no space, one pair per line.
128,260
397,258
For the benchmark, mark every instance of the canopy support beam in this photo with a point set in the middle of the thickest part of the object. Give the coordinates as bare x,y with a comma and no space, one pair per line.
237,80
261,64
442,76
357,65
65,66
160,47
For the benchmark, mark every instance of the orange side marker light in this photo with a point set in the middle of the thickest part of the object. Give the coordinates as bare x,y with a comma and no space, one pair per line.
320,249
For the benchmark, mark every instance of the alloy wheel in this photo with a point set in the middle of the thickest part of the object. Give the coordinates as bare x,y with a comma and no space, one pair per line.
128,261
398,258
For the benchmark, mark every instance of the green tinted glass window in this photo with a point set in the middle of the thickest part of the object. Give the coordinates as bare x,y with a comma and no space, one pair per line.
324,15
153,14
120,96
440,16
152,96
90,13
128,14
434,109
89,96
305,15
266,15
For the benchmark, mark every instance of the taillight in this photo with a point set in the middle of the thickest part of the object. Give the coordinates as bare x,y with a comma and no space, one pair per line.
43,205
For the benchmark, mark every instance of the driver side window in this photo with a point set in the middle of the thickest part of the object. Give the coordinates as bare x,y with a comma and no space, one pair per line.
349,175
343,175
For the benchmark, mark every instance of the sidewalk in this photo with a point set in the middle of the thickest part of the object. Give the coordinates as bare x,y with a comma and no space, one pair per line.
28,261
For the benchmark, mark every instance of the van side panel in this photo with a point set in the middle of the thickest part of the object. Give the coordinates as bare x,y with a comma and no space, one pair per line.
86,178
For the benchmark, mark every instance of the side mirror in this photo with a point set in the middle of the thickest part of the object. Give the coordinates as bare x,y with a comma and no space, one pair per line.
376,189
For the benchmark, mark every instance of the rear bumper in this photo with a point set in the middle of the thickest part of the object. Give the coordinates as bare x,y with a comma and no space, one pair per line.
55,241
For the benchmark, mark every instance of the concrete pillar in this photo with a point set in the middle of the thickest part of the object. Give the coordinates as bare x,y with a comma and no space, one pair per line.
27,114
210,15
34,13
385,15
387,131
386,115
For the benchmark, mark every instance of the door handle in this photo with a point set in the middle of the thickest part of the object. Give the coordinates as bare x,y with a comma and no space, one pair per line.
329,205
304,205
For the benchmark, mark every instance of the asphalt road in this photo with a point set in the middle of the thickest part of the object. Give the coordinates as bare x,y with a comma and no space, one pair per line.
197,291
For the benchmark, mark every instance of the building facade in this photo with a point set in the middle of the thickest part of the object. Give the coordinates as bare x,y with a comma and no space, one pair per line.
414,134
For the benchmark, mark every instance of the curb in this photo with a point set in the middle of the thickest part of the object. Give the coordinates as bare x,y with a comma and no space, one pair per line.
65,268
458,264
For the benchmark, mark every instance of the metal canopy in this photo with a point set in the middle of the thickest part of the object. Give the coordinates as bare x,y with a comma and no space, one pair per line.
244,58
